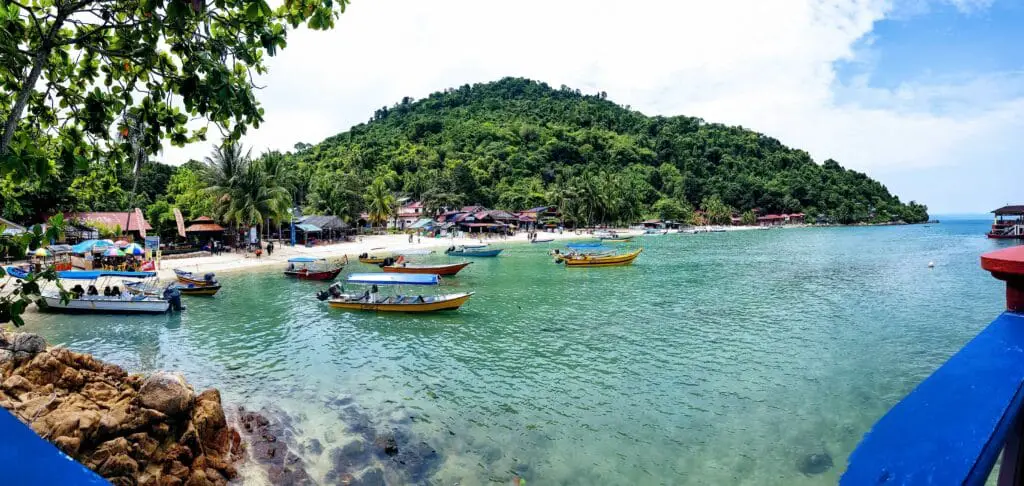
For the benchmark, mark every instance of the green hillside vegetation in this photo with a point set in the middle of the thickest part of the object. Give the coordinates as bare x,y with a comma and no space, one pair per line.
510,144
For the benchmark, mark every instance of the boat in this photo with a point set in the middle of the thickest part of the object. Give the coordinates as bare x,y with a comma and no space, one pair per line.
402,266
583,260
372,300
612,237
310,268
1008,223
542,240
584,246
146,301
188,278
623,239
184,289
465,251
374,258
475,245
18,272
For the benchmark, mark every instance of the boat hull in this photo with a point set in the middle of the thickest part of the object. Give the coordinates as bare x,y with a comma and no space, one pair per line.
542,240
372,260
202,291
442,270
442,303
186,278
479,254
616,240
103,306
603,261
307,275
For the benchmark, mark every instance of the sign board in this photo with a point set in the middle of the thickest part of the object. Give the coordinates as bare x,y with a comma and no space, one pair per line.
253,238
152,243
180,221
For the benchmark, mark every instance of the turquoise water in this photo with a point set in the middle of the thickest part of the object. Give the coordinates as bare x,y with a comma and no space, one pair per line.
719,358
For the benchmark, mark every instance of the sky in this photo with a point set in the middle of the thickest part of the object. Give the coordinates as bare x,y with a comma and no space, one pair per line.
926,96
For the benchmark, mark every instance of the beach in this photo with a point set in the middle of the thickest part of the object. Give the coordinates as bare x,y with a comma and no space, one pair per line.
233,262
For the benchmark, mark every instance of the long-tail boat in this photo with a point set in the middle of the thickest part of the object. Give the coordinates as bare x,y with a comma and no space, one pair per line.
189,278
465,251
581,260
310,268
373,300
375,256
446,270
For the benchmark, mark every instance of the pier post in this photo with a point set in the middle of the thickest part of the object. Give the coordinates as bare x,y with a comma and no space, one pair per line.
1008,265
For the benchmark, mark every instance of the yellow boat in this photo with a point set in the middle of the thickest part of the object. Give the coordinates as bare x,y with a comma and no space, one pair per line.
372,259
372,301
626,239
601,260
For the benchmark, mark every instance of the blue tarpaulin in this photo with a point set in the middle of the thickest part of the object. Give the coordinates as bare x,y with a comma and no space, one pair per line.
95,274
393,278
303,260
88,245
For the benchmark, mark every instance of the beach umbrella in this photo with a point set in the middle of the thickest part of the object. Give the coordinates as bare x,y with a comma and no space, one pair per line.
134,249
42,253
113,252
121,243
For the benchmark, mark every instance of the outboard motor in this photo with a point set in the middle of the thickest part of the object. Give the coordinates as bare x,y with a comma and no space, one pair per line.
209,278
364,255
173,295
387,262
321,295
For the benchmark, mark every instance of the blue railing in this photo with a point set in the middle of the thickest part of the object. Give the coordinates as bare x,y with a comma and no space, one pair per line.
953,426
25,458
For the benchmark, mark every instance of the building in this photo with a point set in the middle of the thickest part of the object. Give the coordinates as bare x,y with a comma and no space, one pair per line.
1008,223
11,228
203,229
408,214
129,223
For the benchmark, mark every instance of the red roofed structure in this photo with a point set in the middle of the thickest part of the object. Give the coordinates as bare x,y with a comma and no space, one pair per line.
127,221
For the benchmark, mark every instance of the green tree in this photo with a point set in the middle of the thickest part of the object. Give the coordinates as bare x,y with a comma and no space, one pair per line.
186,190
160,216
669,209
380,202
716,211
748,218
98,190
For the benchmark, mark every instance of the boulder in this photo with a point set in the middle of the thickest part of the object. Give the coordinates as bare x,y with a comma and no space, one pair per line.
167,393
28,343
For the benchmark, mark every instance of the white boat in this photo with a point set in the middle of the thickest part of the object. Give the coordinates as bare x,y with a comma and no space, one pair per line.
149,300
103,304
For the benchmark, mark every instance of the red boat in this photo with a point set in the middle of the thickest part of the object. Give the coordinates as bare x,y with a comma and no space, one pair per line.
1008,224
309,268
401,266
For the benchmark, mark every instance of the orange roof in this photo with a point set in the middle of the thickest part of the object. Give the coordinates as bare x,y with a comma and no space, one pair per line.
202,219
203,227
126,221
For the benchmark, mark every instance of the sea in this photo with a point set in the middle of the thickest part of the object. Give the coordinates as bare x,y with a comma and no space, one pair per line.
717,358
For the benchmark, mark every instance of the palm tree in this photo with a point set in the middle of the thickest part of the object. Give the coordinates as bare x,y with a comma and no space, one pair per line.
380,203
224,165
247,192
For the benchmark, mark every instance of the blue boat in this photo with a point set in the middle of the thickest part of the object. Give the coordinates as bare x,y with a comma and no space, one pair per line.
584,246
473,252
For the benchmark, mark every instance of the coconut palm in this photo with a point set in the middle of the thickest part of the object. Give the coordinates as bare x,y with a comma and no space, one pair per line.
222,169
247,192
380,202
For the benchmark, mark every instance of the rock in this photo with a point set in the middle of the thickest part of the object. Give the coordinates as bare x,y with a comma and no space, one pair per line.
166,392
16,385
119,465
386,444
67,444
817,463
314,447
6,355
31,344
371,477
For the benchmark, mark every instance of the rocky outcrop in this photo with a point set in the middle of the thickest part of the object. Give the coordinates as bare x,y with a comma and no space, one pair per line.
129,429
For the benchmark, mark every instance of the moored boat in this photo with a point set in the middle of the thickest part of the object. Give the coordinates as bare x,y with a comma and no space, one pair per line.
149,300
465,251
542,240
310,268
402,266
189,278
373,300
583,260
373,258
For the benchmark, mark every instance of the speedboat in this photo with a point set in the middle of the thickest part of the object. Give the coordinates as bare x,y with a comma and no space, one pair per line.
467,251
188,278
310,268
149,299
402,266
395,301
580,260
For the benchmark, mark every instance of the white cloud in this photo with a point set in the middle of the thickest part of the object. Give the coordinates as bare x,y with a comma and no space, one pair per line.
766,65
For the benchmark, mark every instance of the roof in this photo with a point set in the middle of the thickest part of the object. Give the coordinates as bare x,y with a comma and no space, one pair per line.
204,228
202,219
1019,209
652,221
127,221
483,225
408,215
414,205
308,228
303,259
88,245
499,214
527,218
472,209
93,275
393,278
538,209
12,228
327,222
423,223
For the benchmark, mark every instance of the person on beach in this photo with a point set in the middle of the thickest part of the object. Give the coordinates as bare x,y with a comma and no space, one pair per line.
270,248
410,238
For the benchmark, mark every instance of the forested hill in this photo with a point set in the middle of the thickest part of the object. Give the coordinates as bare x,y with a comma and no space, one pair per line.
517,143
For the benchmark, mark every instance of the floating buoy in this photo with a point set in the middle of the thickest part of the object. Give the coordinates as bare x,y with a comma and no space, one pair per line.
931,264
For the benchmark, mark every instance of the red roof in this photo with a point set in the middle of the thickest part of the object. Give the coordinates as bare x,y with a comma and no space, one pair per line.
128,222
202,219
408,215
413,205
472,209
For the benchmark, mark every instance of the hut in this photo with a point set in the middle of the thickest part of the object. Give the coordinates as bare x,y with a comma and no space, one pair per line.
204,229
331,227
131,224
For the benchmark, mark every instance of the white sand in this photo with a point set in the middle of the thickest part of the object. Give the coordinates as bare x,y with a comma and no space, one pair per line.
375,244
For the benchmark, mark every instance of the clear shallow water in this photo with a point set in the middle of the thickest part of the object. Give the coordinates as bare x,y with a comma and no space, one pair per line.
716,359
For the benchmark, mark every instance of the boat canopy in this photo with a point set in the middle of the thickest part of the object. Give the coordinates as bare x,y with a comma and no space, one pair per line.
95,274
394,278
304,260
584,245
413,252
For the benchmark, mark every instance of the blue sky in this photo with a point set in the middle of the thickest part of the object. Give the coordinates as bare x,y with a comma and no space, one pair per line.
926,96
